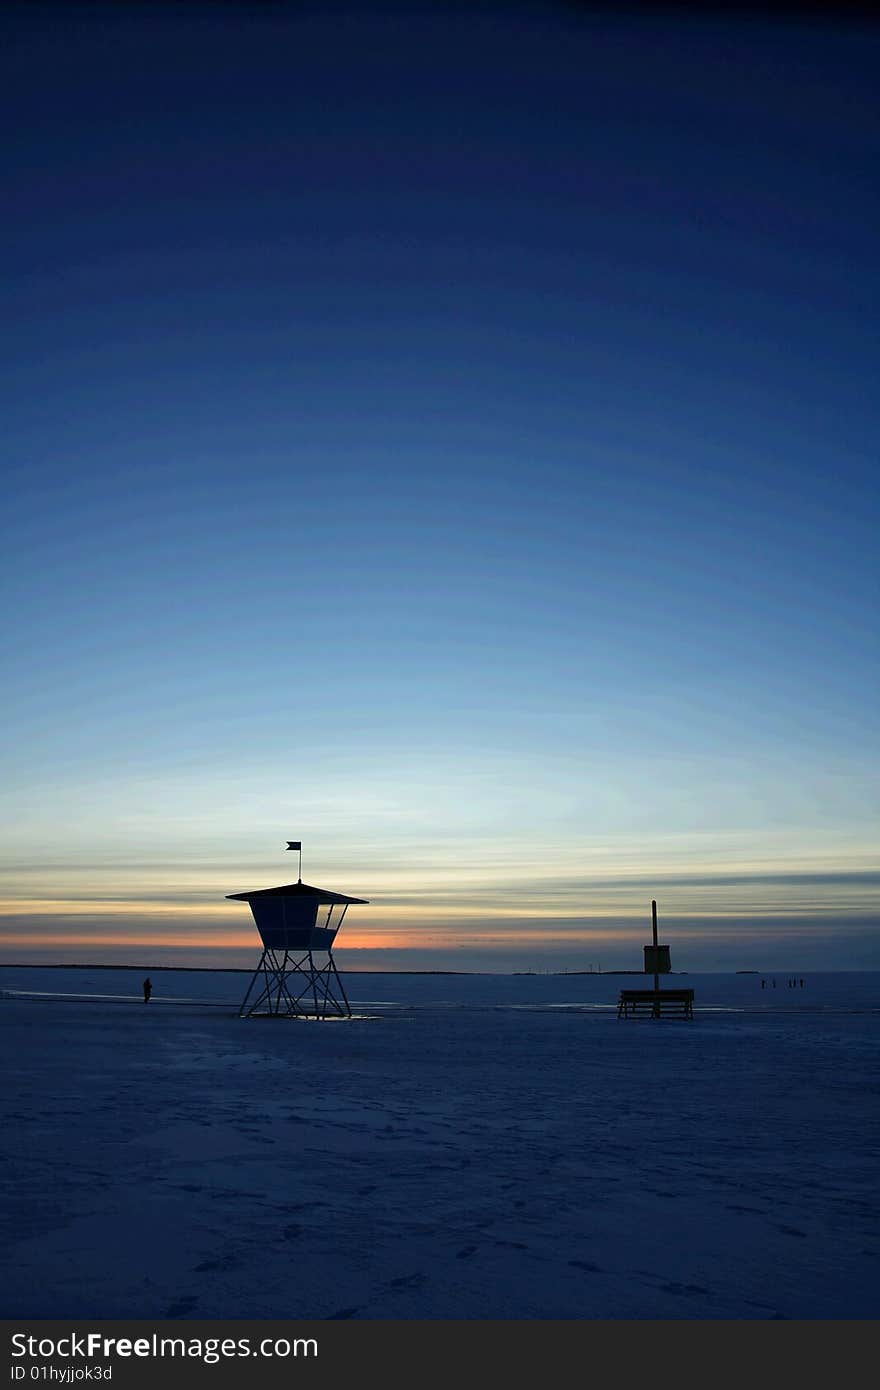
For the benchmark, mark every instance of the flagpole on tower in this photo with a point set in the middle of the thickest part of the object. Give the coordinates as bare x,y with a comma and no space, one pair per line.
297,845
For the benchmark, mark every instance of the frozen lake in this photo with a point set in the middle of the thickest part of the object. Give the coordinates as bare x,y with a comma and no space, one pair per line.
477,1146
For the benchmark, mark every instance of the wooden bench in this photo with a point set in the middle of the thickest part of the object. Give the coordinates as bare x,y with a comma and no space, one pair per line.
648,1003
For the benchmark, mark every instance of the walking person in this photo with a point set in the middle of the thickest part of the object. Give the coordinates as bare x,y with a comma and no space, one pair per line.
148,990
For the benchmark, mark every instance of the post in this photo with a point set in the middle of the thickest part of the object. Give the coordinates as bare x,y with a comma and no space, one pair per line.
297,845
656,960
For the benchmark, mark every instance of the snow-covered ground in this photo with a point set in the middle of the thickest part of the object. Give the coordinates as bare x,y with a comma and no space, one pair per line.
471,1147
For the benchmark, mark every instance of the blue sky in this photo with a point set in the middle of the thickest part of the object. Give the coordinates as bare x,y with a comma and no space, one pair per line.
451,440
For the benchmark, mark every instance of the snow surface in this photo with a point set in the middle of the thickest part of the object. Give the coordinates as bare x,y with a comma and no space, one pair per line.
470,1147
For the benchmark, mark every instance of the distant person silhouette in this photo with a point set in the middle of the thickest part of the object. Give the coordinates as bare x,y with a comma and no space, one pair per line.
148,990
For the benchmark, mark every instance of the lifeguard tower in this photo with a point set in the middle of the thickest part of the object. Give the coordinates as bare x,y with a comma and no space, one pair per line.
296,922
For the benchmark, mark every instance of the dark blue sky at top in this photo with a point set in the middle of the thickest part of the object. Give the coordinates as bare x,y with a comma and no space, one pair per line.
518,369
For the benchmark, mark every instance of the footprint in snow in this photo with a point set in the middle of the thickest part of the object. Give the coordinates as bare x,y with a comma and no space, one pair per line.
182,1307
223,1262
409,1281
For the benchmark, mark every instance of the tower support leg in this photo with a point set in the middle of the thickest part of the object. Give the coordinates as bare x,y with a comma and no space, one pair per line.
284,987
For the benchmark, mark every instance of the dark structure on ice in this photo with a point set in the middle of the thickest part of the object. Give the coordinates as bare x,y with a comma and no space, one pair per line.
297,923
656,1002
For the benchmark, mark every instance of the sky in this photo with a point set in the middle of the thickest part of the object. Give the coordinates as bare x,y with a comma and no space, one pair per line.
447,438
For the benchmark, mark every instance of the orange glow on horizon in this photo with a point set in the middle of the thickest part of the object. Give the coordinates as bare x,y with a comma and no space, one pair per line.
353,941
117,907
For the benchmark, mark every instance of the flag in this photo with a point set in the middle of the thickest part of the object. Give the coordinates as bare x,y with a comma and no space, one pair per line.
294,844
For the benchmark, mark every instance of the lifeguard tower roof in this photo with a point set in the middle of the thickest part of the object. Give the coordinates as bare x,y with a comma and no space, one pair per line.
296,890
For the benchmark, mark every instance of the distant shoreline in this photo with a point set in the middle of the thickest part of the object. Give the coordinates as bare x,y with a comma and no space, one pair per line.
235,969
207,969
246,970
